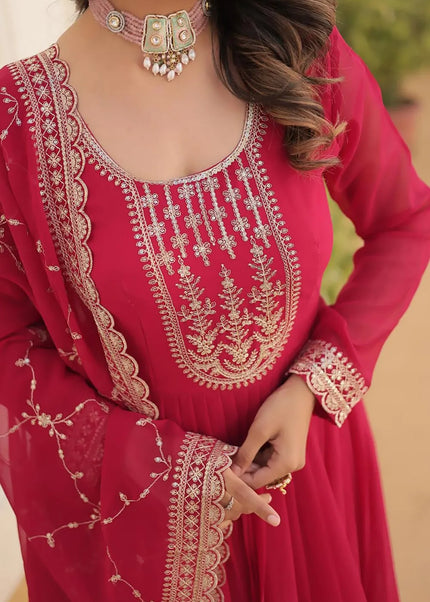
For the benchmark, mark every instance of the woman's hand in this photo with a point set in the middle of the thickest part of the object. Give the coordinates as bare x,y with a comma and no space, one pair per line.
276,441
246,501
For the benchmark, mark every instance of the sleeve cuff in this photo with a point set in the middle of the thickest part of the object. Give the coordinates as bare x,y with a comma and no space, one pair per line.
332,378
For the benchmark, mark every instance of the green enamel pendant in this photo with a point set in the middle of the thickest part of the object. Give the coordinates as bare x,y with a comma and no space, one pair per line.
168,44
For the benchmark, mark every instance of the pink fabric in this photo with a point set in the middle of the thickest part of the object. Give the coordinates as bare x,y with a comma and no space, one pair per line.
140,356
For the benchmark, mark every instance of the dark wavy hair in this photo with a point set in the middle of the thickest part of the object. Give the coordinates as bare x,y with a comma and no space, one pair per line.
266,48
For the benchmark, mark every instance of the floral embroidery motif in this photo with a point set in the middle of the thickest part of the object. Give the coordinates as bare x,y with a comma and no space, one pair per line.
51,268
155,476
194,567
44,79
198,471
116,578
72,356
234,336
9,247
331,377
56,427
197,491
12,110
59,426
228,347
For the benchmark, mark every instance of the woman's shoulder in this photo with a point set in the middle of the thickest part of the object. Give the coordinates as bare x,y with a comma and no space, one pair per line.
341,63
342,59
17,81
7,69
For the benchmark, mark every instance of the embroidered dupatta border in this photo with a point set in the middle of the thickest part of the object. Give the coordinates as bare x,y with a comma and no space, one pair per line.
50,106
197,549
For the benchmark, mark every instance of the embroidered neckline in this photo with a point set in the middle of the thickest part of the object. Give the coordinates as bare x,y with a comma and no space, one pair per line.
250,167
233,337
100,152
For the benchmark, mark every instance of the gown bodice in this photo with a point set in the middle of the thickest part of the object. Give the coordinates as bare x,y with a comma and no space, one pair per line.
213,278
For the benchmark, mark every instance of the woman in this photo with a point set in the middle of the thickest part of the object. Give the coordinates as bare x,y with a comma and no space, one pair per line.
167,363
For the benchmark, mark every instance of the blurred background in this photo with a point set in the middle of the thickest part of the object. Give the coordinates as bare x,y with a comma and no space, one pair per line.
393,38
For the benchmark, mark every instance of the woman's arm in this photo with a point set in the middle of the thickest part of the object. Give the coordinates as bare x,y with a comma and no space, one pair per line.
377,187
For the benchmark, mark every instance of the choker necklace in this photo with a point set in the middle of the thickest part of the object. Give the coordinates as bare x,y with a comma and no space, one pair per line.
167,42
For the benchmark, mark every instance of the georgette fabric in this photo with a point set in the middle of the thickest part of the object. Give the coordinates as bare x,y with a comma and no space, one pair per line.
144,323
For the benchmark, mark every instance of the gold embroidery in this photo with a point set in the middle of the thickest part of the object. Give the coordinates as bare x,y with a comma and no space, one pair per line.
195,557
217,349
157,229
116,578
234,324
331,377
253,202
76,336
12,110
218,214
205,214
45,80
179,240
194,567
155,476
203,460
72,356
52,425
266,296
51,268
10,248
233,356
198,313
194,221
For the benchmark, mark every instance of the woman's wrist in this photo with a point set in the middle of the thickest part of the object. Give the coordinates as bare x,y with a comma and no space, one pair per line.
295,381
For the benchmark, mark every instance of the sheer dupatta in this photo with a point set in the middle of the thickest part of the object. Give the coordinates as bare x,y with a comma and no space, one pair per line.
84,459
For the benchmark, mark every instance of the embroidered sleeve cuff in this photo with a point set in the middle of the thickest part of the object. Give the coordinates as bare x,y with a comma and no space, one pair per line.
336,384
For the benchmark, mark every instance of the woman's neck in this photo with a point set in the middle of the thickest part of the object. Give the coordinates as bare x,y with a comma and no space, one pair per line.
141,8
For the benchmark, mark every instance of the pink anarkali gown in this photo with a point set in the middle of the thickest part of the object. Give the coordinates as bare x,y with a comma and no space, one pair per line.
144,323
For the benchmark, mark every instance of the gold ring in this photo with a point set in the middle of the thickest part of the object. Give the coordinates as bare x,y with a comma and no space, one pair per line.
281,484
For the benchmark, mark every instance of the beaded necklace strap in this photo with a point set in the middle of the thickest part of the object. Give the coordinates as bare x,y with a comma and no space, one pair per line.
167,42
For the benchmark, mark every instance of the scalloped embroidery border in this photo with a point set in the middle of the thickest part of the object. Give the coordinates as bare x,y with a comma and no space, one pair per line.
331,377
43,83
194,565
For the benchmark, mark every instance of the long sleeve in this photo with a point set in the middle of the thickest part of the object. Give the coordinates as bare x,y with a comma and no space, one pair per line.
82,473
377,187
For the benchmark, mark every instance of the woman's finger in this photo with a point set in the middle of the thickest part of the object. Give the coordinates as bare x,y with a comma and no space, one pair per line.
283,459
250,502
237,509
264,475
249,450
226,524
